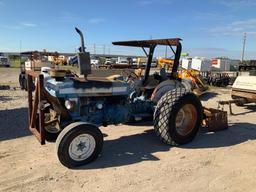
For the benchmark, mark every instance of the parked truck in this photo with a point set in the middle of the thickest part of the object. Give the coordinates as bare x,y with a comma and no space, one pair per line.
4,61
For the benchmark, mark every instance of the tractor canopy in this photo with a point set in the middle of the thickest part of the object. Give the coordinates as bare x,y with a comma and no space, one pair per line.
151,45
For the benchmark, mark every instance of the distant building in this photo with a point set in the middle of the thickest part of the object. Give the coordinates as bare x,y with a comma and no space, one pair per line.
186,63
221,64
247,65
201,64
234,64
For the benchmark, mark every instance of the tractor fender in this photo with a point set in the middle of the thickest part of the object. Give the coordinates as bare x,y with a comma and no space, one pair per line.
163,88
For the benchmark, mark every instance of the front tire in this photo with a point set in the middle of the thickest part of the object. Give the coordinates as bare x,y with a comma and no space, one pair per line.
78,144
178,116
22,81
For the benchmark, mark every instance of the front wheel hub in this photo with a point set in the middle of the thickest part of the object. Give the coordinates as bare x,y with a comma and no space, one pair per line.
82,147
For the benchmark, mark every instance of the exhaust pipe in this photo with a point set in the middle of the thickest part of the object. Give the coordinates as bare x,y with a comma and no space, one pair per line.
83,57
82,49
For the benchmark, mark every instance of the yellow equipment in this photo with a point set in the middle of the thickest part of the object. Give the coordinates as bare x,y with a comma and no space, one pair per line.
165,63
141,61
199,87
58,59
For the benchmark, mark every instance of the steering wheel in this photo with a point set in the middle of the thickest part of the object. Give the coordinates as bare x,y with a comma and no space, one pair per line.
131,75
131,78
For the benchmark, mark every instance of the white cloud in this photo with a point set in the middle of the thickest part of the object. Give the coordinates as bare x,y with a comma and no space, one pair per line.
206,16
66,16
146,2
96,20
235,28
248,24
19,26
219,52
12,27
238,3
26,24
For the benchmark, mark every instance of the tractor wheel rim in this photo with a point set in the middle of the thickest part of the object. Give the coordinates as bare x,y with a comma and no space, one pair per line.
186,119
82,147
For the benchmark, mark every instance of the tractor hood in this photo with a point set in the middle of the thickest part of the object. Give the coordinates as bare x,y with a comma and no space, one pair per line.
91,87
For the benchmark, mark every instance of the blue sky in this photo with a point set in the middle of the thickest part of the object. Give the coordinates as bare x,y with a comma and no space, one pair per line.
208,28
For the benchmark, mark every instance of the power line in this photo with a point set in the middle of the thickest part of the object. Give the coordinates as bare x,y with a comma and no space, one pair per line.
104,49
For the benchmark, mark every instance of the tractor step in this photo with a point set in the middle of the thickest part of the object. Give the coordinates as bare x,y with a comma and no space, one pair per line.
142,117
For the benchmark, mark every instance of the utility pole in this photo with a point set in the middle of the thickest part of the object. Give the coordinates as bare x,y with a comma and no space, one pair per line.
94,48
104,49
243,47
165,52
20,50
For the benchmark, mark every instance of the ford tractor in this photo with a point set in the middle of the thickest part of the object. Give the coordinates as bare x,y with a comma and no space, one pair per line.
70,108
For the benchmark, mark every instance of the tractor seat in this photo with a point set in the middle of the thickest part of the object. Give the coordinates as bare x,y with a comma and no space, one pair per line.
151,83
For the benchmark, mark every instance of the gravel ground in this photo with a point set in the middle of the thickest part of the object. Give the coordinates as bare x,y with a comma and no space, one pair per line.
133,159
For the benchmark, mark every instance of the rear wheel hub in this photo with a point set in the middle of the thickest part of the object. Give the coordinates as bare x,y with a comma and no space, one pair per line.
186,119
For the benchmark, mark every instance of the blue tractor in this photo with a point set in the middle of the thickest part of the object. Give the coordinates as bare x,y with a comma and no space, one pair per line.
69,109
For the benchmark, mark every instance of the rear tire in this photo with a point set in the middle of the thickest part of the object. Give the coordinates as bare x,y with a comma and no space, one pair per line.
78,144
239,104
178,116
51,137
22,81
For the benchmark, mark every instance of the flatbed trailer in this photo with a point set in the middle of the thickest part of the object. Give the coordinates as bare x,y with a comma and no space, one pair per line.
243,92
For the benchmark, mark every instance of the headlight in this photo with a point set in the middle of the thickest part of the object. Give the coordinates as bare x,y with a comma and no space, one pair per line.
99,106
70,104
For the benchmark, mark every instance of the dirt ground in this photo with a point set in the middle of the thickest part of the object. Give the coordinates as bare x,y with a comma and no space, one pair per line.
133,158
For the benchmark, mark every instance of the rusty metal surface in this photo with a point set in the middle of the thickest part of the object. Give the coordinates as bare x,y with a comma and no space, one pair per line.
91,79
36,101
41,91
148,43
124,66
34,108
244,91
36,53
32,73
250,96
238,101
35,112
29,99
105,86
241,100
215,120
57,106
